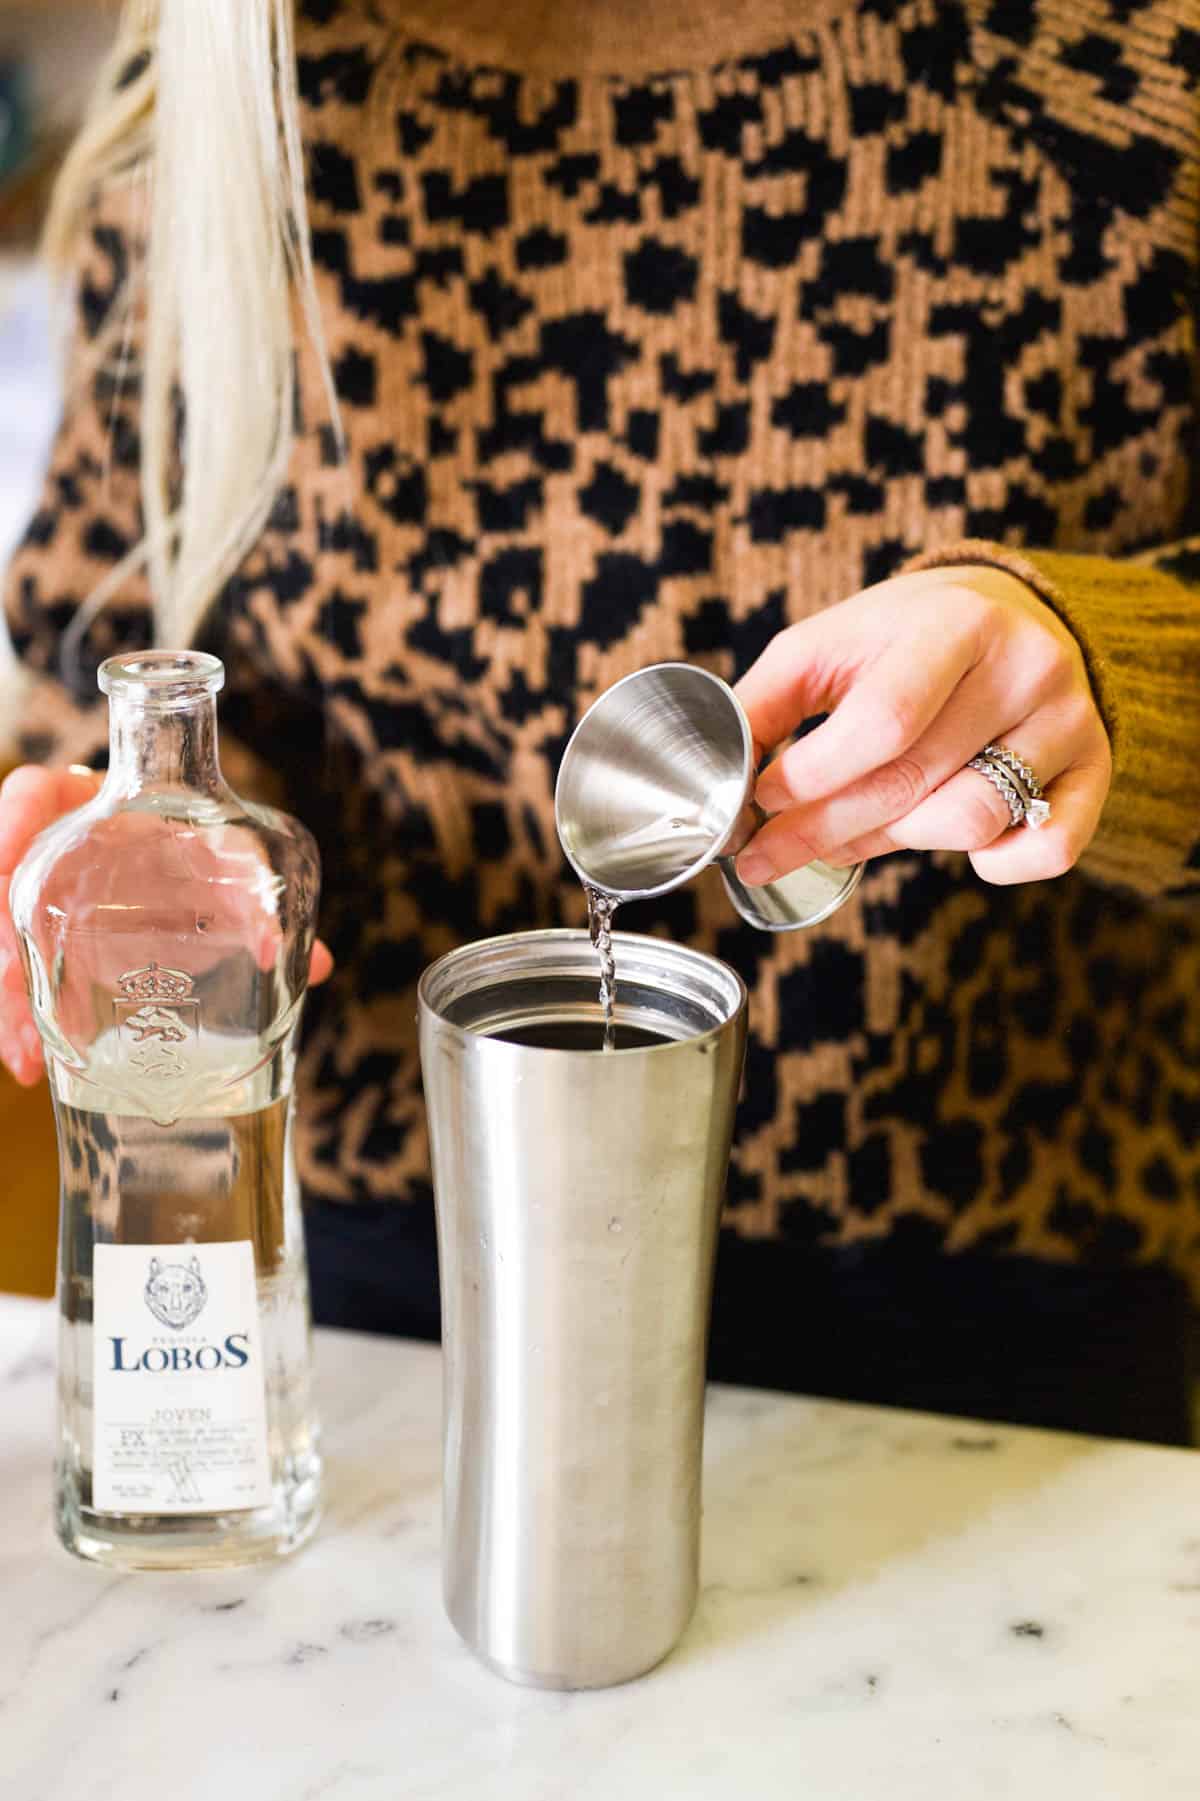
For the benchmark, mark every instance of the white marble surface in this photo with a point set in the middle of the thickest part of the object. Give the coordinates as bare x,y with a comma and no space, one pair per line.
893,1606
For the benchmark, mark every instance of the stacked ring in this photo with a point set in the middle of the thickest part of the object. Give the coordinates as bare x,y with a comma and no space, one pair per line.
1015,782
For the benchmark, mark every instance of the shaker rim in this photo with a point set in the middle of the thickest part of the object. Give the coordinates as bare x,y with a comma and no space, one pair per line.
433,999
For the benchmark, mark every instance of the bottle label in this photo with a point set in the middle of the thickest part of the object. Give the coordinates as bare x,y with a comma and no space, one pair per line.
179,1397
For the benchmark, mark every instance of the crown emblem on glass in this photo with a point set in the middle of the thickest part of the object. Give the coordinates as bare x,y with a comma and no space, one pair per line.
155,984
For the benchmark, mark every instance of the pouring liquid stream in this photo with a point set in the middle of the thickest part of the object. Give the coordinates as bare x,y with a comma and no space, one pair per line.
601,907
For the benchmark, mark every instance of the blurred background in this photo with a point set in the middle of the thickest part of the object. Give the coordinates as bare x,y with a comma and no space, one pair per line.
48,57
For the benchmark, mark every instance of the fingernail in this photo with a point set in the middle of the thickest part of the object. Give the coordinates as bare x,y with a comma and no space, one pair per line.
755,867
772,797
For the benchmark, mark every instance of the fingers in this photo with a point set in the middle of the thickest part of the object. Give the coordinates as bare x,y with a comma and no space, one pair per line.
12,975
236,893
906,788
32,798
1065,746
27,806
267,941
967,813
871,762
800,673
961,817
922,672
953,681
20,1047
811,666
1076,802
923,797
20,1050
8,933
885,711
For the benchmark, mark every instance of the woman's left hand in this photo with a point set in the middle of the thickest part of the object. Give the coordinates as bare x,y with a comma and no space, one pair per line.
917,675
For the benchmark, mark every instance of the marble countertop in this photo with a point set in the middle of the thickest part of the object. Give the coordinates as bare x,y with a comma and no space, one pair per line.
893,1606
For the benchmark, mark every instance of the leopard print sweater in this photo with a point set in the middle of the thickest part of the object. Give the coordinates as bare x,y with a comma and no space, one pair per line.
654,328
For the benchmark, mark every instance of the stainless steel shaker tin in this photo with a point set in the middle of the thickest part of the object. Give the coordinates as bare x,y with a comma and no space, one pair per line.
578,1200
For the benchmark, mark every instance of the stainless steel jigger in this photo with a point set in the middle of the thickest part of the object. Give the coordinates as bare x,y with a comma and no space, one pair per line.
657,782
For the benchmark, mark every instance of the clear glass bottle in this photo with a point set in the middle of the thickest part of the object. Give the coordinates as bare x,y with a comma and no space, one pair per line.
166,929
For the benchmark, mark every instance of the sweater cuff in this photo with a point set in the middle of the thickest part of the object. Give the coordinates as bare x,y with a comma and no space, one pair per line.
1138,629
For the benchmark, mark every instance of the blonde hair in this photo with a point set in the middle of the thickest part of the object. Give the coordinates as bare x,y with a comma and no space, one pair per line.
199,96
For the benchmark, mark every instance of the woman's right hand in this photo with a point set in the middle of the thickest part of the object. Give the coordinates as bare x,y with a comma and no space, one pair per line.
32,798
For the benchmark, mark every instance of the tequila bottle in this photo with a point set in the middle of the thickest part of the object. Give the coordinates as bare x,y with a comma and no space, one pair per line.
166,929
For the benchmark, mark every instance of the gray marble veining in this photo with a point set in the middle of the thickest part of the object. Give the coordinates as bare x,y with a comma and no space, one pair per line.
893,1606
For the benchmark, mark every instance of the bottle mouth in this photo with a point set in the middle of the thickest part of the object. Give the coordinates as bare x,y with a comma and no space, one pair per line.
162,678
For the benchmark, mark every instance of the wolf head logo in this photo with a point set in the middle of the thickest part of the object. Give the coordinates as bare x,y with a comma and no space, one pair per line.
175,1292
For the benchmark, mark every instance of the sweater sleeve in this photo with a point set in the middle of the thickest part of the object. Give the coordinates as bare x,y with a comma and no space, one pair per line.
1137,622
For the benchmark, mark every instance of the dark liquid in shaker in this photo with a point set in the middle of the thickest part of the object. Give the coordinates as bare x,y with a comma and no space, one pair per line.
578,1035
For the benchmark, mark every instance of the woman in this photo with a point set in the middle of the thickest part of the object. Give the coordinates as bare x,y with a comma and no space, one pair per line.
659,330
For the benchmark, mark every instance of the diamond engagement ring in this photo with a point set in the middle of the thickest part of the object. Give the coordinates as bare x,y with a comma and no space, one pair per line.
1015,782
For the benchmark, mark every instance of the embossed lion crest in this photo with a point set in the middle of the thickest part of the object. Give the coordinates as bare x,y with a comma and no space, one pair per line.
175,1292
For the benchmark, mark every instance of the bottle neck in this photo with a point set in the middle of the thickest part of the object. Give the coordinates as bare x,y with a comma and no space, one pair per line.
157,746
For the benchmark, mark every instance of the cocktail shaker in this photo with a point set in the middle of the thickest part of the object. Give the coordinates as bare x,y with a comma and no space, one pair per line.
657,782
578,1198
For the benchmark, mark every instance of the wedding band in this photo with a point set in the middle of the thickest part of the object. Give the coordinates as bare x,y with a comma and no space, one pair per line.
1015,781
1004,786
